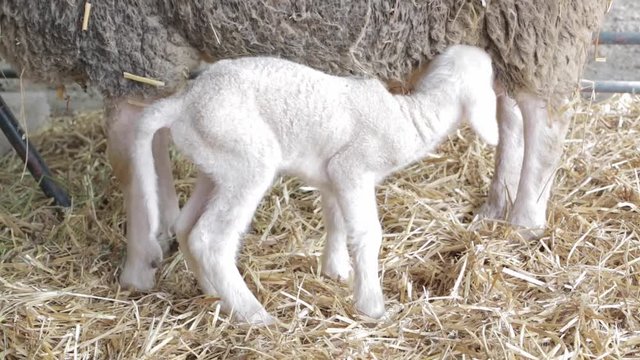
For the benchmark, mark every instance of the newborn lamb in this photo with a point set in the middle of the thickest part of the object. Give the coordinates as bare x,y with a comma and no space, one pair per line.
244,121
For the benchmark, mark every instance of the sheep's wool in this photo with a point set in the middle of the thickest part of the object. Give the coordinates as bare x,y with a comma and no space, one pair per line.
537,45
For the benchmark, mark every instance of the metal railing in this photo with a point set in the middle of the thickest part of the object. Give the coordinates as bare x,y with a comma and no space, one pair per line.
618,38
610,86
613,86
28,153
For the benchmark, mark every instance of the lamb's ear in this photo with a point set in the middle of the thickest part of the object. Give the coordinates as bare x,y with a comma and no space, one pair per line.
481,115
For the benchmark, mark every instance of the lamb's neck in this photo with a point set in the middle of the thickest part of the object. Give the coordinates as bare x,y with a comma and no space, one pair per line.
433,115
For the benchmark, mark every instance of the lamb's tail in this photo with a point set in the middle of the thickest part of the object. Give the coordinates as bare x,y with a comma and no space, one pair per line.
155,117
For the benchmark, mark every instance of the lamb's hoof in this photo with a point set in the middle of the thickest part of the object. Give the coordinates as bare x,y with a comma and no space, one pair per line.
336,268
528,234
138,277
256,318
372,307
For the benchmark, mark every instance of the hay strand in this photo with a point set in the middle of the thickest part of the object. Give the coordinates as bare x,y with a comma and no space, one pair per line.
85,18
143,79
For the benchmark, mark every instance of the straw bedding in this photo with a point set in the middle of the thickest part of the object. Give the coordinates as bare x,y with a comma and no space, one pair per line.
453,290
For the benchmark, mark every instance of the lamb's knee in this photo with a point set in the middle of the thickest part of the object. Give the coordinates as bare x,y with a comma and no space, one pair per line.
212,246
365,236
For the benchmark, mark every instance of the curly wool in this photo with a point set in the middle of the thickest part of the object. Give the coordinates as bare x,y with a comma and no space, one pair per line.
45,40
537,45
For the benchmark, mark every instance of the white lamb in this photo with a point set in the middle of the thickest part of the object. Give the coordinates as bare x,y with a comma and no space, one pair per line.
244,121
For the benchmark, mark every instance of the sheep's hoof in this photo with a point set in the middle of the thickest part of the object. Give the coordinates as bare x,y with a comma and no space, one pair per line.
139,276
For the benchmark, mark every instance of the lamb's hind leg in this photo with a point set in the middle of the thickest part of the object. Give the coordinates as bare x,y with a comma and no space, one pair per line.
544,133
214,240
335,256
508,163
189,215
167,198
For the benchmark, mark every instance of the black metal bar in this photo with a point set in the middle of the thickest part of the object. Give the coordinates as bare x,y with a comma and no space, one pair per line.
618,38
8,74
632,87
29,154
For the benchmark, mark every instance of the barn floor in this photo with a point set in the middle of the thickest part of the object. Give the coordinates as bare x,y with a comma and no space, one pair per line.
453,290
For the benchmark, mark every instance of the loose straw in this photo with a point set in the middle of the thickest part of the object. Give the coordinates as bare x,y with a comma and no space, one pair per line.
85,20
143,79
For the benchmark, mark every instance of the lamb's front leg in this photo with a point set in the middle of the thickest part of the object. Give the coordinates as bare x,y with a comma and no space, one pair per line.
335,256
357,200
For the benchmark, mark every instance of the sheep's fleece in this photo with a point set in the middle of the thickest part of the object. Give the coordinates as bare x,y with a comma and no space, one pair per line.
537,45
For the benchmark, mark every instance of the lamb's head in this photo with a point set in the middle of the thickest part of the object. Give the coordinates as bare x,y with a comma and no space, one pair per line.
466,73
476,90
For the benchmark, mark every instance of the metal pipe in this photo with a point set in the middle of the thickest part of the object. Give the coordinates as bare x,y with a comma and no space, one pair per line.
618,38
632,87
30,156
8,74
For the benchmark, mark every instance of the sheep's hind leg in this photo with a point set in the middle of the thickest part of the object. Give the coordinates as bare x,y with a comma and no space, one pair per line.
544,133
335,256
144,254
508,161
214,240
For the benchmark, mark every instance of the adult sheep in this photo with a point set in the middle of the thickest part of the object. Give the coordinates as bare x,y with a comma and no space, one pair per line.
538,47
